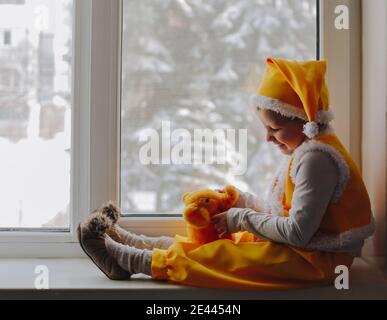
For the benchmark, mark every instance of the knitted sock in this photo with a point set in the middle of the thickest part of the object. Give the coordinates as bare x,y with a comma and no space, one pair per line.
130,259
142,241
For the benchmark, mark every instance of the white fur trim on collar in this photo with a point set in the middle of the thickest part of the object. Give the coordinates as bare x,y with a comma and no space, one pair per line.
288,110
274,199
337,157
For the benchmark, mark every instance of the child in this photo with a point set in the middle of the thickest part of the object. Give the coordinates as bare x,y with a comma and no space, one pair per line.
316,217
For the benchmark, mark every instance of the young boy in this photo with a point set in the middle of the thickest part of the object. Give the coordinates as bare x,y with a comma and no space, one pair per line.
316,217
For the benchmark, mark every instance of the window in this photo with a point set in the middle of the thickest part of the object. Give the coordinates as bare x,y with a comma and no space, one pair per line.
152,91
35,114
189,65
7,38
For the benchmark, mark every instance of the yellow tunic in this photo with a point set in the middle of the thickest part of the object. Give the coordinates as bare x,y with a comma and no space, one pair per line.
247,262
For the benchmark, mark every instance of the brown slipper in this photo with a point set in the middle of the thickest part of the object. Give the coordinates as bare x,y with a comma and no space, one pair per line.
112,212
92,241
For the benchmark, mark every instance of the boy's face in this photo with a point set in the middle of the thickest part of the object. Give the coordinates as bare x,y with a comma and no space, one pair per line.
284,132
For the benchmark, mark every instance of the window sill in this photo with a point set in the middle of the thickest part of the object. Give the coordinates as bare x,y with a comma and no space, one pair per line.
17,277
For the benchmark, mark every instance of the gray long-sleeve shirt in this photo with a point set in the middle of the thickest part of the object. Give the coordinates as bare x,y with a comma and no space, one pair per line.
315,181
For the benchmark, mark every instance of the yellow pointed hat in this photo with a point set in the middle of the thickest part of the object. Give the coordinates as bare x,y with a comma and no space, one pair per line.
296,89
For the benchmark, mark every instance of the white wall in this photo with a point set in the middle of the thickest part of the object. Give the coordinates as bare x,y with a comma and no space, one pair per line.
374,106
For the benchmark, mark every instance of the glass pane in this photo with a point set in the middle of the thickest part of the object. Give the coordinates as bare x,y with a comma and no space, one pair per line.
192,64
35,112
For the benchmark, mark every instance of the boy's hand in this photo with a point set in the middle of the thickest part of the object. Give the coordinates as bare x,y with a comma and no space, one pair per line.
220,223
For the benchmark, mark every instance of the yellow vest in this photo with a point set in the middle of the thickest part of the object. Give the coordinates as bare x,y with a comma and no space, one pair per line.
348,218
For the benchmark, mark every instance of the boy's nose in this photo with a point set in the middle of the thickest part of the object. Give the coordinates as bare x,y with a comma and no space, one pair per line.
269,137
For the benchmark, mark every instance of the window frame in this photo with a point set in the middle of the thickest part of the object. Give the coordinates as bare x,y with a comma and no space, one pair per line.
96,153
48,243
330,42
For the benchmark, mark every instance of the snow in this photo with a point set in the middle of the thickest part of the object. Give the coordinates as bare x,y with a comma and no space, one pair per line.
190,62
35,182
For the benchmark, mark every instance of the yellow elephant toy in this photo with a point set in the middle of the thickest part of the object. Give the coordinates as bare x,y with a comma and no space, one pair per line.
201,205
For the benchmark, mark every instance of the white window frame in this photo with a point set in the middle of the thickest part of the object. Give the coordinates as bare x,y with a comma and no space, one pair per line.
96,121
63,244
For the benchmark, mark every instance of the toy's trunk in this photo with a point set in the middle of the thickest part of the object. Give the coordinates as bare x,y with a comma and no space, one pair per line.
203,235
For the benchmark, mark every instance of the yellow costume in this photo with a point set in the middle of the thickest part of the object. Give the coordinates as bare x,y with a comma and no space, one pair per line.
293,89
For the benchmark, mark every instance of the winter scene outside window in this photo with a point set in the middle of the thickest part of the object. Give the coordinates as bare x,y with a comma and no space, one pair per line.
35,113
192,64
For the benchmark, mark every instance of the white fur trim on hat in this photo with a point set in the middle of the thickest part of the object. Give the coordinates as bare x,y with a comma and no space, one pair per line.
325,116
288,110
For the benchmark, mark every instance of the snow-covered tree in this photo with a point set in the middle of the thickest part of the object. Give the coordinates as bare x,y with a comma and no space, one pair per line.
195,63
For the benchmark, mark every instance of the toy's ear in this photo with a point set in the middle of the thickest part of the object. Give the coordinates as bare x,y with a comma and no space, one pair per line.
185,197
196,217
231,194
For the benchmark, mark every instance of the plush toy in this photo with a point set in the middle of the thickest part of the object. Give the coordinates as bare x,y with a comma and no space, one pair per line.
201,205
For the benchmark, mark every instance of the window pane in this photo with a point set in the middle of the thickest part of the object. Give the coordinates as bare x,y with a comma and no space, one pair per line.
35,112
191,64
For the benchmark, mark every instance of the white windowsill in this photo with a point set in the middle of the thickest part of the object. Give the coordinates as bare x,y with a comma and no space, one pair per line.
79,278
